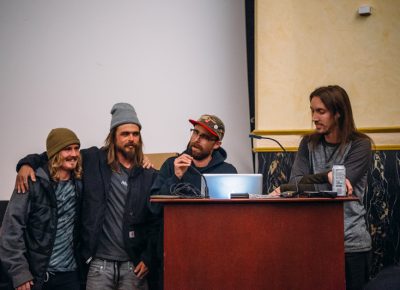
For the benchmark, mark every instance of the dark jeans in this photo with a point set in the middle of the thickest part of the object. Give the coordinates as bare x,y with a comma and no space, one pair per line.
62,281
357,270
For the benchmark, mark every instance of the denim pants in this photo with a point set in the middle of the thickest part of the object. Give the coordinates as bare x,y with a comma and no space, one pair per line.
113,275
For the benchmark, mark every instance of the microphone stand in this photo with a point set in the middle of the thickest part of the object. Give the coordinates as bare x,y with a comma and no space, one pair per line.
206,195
254,136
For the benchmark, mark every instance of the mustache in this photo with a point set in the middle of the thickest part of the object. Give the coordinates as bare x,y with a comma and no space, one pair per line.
196,146
131,144
71,159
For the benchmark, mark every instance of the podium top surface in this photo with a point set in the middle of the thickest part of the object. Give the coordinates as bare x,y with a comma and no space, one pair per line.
177,199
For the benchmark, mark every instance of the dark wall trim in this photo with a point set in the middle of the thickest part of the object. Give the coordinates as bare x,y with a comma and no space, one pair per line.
3,206
249,9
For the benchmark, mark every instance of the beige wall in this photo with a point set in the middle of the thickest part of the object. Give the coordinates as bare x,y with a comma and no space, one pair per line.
301,45
65,63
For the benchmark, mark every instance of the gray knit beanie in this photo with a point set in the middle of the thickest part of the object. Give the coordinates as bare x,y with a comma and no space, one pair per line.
123,113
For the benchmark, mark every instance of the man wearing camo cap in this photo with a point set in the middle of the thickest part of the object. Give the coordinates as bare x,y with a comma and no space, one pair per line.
203,154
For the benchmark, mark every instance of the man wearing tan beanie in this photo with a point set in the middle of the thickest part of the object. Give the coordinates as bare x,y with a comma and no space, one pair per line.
38,241
119,231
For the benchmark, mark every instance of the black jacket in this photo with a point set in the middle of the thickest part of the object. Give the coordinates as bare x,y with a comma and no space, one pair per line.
137,216
96,187
29,229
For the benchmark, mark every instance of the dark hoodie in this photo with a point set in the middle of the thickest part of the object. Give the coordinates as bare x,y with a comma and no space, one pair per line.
167,177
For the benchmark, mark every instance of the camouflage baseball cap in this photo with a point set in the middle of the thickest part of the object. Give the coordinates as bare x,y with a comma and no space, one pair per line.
212,124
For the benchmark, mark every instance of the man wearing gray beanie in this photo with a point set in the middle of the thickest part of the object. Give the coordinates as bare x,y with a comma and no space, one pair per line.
123,113
119,232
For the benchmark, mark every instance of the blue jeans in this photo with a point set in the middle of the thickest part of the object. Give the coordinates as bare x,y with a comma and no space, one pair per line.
113,275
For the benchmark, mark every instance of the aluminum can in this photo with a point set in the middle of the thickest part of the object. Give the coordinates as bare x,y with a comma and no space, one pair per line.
339,179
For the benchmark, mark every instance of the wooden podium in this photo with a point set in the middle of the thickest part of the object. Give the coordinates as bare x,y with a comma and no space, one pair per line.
280,244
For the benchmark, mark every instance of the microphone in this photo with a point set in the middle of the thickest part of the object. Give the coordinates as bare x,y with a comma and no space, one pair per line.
206,195
254,136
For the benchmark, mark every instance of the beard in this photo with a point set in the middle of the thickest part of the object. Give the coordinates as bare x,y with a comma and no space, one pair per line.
324,130
327,126
200,154
66,165
127,151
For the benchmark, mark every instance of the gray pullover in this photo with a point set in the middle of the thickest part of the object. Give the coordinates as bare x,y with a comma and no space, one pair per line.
356,157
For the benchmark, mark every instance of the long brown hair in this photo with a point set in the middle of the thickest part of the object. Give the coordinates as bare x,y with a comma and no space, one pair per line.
337,101
55,163
111,148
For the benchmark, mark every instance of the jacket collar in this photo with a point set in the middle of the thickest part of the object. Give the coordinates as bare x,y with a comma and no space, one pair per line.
218,157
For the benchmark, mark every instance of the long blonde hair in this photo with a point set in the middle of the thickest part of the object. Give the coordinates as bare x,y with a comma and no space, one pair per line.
55,163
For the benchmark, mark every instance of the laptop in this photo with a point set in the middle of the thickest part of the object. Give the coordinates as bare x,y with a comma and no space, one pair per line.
221,186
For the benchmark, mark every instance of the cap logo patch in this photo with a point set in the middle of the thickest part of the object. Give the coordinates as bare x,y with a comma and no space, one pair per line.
211,123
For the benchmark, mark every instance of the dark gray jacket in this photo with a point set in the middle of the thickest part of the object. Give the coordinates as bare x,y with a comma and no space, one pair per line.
29,229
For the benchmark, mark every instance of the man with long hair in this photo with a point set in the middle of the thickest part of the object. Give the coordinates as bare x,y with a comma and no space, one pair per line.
118,230
336,141
38,240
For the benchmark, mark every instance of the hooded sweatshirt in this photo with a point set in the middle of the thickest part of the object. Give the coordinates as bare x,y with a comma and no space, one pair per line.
167,178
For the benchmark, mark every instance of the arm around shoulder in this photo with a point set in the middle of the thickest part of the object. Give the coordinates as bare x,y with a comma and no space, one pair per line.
33,160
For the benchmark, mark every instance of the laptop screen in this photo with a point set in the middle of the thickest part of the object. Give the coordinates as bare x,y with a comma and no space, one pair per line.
222,185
